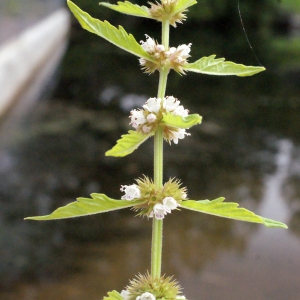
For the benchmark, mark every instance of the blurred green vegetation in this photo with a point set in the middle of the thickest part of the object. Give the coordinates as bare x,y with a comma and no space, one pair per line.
291,5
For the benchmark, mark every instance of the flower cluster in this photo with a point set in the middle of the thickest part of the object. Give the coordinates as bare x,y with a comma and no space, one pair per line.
144,287
173,58
147,120
167,11
153,201
160,210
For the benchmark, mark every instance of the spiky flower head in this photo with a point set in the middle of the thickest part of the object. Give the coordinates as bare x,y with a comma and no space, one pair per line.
153,201
150,117
144,287
173,58
166,10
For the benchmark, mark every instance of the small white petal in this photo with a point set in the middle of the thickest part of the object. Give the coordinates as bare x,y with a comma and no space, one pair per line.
171,103
159,211
180,134
125,294
180,111
153,105
147,296
172,50
184,50
131,192
160,48
146,128
137,118
170,203
142,61
149,45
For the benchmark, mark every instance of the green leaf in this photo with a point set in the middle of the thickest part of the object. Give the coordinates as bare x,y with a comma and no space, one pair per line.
116,36
128,143
99,203
183,4
181,122
211,66
114,295
129,9
229,210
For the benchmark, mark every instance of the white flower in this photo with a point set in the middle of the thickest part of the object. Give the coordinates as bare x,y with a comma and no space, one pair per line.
151,118
146,296
159,211
184,50
160,48
180,298
180,111
137,118
131,192
170,103
125,294
153,105
180,134
169,204
149,45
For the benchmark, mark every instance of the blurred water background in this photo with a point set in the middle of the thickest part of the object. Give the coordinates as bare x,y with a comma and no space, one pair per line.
247,149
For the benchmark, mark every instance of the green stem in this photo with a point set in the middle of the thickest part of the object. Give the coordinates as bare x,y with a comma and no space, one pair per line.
165,33
157,226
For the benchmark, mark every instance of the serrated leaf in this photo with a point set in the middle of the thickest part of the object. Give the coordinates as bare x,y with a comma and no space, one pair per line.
99,203
181,122
211,66
229,210
128,143
116,36
114,295
183,4
129,9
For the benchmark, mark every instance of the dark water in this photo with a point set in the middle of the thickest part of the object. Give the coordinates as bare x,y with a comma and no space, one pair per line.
247,150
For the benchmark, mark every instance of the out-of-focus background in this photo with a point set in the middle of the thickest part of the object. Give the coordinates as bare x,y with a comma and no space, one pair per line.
65,96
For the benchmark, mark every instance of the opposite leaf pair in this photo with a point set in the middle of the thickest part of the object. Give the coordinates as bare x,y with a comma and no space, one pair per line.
120,38
148,196
166,113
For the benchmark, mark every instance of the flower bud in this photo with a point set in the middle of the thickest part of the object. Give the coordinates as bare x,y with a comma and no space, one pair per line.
151,118
146,129
146,296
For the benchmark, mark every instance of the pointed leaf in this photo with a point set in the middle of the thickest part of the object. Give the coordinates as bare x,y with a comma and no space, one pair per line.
183,4
99,203
273,224
128,143
129,9
114,295
211,66
181,122
116,36
229,210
